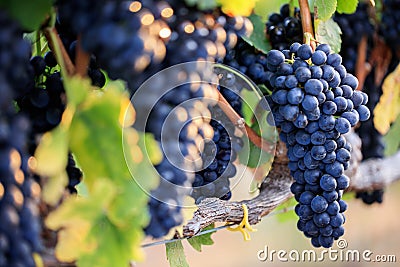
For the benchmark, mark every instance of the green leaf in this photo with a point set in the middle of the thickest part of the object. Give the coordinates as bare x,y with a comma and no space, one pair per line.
96,137
175,254
325,8
265,8
328,32
153,149
392,138
258,38
202,4
203,239
346,6
29,13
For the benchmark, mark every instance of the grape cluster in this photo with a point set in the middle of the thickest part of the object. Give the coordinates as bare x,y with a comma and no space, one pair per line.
389,27
354,27
114,32
19,222
218,156
179,121
314,102
44,103
284,29
248,61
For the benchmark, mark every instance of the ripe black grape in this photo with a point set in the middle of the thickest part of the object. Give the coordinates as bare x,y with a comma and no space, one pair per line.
19,218
284,29
313,113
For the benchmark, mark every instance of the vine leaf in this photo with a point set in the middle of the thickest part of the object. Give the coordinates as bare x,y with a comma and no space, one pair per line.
76,216
347,6
52,153
325,8
176,254
52,157
22,11
392,138
328,32
96,136
202,4
258,38
54,188
104,227
388,107
237,7
205,239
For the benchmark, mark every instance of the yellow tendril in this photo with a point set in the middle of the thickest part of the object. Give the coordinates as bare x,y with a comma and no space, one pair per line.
244,225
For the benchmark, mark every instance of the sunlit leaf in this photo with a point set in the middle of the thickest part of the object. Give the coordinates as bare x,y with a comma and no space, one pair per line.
96,137
54,188
237,7
176,255
52,153
347,6
388,107
76,216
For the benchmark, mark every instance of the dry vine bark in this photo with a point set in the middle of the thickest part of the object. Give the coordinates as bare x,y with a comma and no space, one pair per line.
366,175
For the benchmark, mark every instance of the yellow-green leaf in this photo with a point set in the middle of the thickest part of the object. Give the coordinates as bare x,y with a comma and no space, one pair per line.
237,7
152,149
52,153
76,217
388,107
96,136
176,255
76,89
392,139
347,6
54,188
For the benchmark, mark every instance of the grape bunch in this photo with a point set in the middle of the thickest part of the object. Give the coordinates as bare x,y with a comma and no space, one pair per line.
44,103
179,120
284,29
19,220
114,32
248,61
314,102
354,27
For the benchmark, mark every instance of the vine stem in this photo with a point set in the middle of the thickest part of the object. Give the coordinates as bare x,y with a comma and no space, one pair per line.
82,59
306,23
57,46
239,121
363,68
